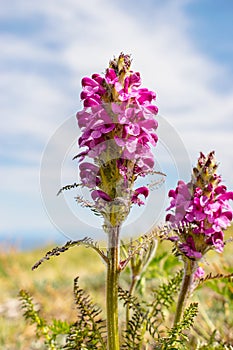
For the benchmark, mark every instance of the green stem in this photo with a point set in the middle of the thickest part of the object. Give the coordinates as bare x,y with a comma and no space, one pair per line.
112,288
189,269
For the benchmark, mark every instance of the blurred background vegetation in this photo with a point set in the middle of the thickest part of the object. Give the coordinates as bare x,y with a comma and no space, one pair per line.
51,286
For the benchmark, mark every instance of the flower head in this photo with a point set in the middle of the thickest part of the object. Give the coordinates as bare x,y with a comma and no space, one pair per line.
200,210
118,129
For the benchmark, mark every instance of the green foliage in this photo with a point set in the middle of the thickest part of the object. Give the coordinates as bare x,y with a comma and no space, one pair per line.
164,295
133,334
50,332
223,289
89,331
147,317
176,336
161,267
139,252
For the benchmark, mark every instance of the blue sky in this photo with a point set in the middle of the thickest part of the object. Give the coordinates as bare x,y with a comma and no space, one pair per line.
184,51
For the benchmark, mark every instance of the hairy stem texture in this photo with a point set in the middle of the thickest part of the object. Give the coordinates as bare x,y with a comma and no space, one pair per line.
189,270
112,288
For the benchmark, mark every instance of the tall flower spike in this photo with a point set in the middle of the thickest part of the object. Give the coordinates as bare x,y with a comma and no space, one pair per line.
200,214
118,129
201,211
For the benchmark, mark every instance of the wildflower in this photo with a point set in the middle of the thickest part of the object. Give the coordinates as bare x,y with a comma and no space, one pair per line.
118,129
199,273
201,211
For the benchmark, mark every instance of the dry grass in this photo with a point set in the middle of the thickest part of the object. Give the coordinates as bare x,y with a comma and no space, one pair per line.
51,286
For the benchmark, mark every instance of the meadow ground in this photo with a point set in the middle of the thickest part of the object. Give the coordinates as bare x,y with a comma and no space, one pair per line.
51,286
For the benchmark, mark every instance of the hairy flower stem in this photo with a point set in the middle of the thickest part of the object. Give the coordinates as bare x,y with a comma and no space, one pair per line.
112,288
186,288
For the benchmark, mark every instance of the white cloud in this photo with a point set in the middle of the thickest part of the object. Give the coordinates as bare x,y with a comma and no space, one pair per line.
31,104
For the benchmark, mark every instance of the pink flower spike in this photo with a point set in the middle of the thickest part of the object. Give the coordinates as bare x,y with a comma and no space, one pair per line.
118,131
204,202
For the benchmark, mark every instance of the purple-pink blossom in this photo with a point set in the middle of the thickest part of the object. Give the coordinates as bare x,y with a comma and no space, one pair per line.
97,194
118,130
200,210
199,273
140,191
189,249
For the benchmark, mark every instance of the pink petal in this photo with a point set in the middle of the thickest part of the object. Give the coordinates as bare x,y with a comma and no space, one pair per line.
98,78
89,82
226,196
90,166
135,79
111,76
154,109
96,194
142,190
199,272
89,102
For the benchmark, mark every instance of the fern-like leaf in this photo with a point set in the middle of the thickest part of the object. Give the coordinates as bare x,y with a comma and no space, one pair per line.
48,332
176,336
68,187
148,318
85,203
143,243
165,293
133,334
89,332
129,300
218,276
87,242
30,312
163,298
